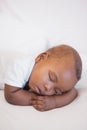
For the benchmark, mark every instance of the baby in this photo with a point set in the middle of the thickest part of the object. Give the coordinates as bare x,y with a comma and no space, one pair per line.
47,84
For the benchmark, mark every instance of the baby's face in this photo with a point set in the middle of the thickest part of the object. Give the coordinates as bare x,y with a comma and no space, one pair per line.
51,77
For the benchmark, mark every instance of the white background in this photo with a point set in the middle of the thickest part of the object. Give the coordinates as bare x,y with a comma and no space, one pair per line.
28,23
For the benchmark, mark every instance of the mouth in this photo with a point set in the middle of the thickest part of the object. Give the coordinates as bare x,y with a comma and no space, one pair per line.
37,90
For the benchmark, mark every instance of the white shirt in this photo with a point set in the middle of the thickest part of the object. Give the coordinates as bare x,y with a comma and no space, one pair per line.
19,71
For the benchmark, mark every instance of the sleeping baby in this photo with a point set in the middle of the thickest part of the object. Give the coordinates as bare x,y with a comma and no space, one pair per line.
46,83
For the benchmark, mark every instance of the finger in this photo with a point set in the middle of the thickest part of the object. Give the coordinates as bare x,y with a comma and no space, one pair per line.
36,102
38,107
40,98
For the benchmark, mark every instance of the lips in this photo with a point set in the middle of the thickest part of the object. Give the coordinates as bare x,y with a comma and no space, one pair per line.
37,90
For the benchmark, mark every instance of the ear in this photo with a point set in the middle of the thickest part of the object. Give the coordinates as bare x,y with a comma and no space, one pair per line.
42,56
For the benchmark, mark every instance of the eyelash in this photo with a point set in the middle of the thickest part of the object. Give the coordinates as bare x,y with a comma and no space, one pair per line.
52,77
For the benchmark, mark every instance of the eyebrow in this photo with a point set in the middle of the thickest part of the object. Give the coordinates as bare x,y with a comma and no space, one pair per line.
53,76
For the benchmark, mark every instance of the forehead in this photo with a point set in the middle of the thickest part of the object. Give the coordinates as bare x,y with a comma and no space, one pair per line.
66,61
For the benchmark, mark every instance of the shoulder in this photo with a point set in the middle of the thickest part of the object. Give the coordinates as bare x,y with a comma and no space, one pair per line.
19,71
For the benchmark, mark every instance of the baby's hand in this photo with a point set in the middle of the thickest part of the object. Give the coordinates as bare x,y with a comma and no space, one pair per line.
44,103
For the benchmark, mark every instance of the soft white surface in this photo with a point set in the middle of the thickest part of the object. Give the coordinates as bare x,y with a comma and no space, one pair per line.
70,117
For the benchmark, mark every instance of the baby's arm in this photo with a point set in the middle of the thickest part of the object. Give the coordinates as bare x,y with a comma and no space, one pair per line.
44,103
18,96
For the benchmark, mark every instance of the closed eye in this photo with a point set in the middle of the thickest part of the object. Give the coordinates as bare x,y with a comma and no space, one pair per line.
52,76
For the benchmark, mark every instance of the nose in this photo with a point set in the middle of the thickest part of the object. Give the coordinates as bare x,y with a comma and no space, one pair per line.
47,87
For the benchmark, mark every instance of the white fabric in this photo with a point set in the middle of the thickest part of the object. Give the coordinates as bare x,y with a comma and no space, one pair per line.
6,57
19,71
70,117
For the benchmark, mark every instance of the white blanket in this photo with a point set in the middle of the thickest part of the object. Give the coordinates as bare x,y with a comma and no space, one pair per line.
70,117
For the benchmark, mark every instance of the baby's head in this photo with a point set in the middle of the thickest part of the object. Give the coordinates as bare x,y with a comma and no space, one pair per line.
56,71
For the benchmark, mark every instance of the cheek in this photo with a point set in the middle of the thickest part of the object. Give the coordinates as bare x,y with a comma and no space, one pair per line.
68,79
67,75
